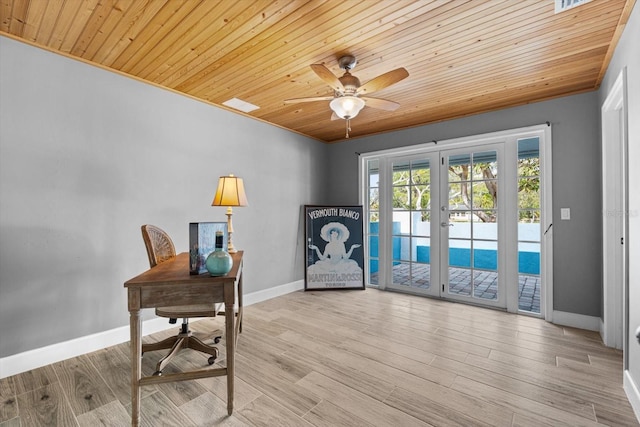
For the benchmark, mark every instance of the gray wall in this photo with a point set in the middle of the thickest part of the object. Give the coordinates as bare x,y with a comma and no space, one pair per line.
628,55
576,183
87,156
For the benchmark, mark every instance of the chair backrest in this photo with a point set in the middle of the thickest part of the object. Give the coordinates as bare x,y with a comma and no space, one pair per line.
158,243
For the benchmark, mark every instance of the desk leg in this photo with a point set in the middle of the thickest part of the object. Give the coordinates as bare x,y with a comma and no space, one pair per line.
136,364
229,313
240,302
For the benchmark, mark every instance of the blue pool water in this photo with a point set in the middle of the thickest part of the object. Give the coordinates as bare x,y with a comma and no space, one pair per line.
484,259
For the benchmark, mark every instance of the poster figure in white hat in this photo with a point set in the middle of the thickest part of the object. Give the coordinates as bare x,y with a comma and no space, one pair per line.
335,258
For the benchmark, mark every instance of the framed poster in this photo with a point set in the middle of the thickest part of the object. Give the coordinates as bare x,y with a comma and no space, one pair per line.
334,251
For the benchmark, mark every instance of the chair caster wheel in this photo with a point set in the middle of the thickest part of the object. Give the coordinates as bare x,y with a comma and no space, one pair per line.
212,360
216,340
157,374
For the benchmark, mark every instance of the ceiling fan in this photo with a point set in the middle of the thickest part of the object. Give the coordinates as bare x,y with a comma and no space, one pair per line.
349,95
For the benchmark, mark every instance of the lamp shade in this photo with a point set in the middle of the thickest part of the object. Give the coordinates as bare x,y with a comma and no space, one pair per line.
230,192
347,107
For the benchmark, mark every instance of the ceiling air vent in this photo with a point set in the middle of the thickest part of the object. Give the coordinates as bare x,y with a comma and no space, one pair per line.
562,5
241,105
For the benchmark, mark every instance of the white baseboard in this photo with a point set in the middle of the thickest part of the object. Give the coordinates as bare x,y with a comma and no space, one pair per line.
266,294
53,353
581,321
633,393
32,359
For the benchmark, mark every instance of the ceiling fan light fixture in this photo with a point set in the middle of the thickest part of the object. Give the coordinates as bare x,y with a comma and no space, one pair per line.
347,107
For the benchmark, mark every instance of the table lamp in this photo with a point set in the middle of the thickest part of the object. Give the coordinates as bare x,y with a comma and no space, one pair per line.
230,193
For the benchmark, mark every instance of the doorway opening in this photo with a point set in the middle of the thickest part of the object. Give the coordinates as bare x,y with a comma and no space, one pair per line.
462,220
614,218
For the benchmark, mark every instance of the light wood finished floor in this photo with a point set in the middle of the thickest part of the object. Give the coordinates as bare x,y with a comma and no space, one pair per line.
350,358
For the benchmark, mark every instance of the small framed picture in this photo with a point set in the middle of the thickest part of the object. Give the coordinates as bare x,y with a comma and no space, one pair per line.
202,241
333,244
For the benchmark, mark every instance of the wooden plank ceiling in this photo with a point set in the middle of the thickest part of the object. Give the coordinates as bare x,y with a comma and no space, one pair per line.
464,56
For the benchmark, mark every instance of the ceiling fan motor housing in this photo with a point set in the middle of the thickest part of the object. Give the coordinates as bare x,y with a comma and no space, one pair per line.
350,82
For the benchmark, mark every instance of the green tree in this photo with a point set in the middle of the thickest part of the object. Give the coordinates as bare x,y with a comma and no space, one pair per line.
473,187
411,190
529,189
485,196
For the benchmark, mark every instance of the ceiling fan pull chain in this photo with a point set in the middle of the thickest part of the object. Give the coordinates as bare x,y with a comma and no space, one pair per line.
348,126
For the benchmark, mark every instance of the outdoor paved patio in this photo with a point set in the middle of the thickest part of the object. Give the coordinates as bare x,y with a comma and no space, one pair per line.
486,283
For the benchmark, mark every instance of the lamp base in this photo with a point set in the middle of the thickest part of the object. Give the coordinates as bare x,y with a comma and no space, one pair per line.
230,248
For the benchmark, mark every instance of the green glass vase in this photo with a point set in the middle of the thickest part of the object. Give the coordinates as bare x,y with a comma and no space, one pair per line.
219,261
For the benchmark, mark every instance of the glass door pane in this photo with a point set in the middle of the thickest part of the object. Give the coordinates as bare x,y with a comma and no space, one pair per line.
469,226
529,228
411,248
372,229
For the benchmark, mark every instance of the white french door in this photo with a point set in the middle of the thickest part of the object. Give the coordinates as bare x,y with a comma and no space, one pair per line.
461,221
472,241
444,237
412,227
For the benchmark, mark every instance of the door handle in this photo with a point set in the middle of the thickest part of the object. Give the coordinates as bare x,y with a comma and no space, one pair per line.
444,224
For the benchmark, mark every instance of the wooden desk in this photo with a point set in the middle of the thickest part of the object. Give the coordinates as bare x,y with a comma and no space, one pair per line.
169,284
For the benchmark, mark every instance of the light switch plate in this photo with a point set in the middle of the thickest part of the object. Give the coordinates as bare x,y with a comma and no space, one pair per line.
565,214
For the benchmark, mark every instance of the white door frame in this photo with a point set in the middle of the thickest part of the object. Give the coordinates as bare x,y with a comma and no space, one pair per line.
544,132
614,216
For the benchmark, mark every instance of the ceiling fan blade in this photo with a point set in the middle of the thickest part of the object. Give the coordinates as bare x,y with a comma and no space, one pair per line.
309,99
381,104
383,80
329,78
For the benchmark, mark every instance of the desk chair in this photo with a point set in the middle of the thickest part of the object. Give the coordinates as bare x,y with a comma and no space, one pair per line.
160,249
